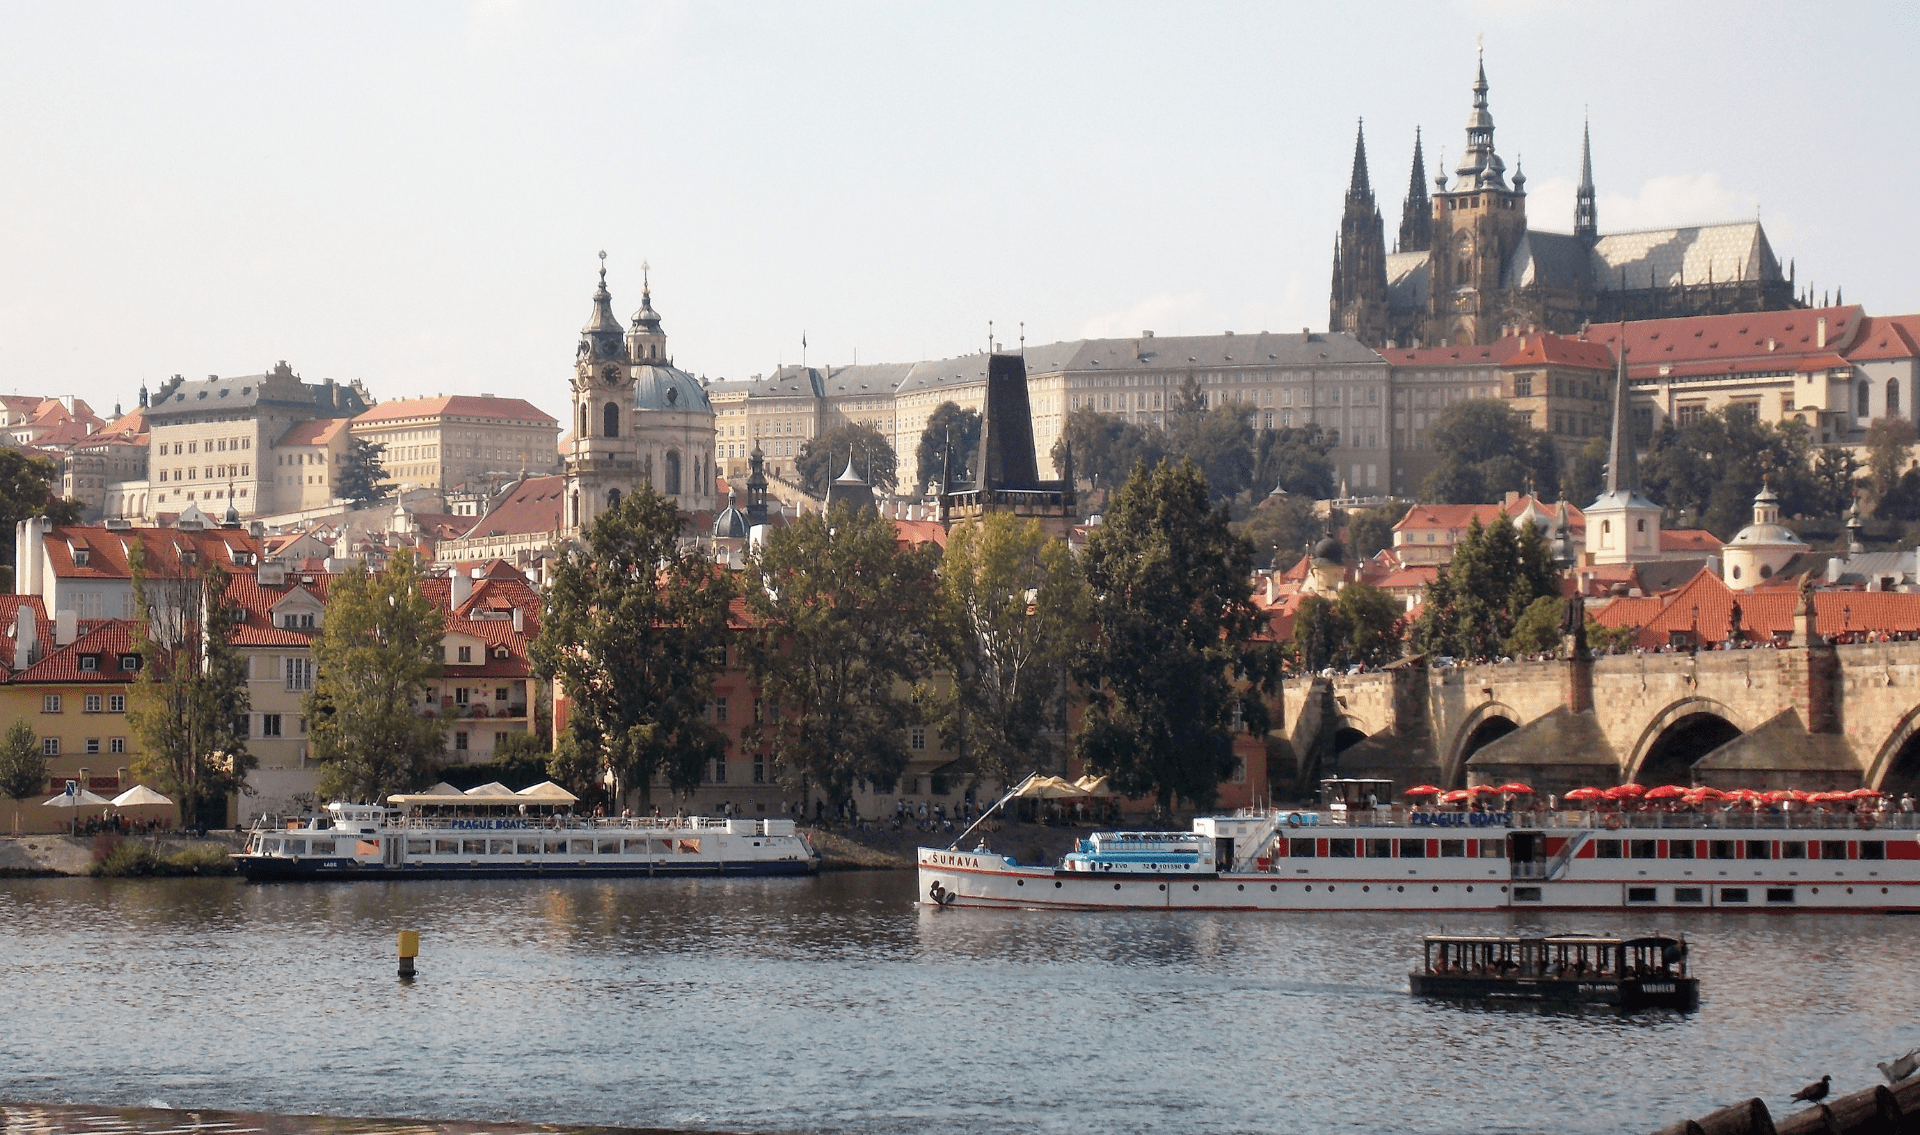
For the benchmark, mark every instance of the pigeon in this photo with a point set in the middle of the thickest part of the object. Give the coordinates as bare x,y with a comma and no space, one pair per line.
1816,1091
1902,1068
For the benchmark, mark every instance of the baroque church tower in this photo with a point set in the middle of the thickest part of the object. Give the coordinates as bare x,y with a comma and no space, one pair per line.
1477,224
637,419
1359,301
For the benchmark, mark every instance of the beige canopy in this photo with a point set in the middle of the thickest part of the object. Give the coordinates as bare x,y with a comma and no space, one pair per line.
138,795
1049,788
547,792
442,789
490,788
83,799
1094,785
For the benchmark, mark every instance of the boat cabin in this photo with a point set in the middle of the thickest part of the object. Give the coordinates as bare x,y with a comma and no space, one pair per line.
1574,956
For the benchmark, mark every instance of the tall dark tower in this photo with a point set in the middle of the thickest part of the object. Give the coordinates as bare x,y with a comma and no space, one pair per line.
1586,221
1359,300
1416,213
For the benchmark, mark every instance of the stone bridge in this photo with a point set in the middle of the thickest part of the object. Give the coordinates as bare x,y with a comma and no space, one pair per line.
1807,716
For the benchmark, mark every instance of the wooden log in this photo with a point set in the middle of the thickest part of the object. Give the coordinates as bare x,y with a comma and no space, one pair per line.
1749,1118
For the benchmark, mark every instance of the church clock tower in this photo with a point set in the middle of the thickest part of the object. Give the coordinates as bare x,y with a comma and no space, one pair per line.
1477,224
600,461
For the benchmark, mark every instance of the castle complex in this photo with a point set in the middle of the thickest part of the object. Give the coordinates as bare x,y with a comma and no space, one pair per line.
1467,268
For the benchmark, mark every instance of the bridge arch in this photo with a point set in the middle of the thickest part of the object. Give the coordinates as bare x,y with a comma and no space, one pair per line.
1348,731
1679,735
1488,722
1896,767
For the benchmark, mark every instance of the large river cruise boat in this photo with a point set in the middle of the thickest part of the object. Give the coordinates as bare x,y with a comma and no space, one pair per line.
494,832
1352,855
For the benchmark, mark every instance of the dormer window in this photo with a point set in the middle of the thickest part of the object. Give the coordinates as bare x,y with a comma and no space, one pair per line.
89,663
129,663
465,654
82,557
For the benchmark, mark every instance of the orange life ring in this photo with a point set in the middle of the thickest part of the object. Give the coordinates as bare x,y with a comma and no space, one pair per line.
1613,822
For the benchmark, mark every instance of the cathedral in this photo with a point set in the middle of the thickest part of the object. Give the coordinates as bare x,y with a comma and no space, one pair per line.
637,418
1467,266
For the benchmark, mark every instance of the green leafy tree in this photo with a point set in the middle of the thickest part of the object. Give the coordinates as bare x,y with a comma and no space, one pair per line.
1707,472
362,474
1280,530
26,490
1485,451
635,632
842,617
1889,447
189,704
1293,458
1015,610
1219,442
1497,572
1370,530
1106,447
825,457
23,770
1320,633
949,426
1174,623
1360,626
1835,470
1587,478
1537,630
377,654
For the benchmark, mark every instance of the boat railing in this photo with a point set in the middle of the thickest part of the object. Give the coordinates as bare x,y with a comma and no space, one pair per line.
1445,823
565,823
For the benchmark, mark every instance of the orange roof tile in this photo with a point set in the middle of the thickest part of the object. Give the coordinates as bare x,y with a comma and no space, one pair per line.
455,406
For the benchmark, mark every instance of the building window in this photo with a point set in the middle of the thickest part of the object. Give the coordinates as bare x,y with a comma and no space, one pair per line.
499,739
93,744
460,695
1866,401
116,703
1523,386
117,745
466,654
90,663
50,703
299,674
93,703
1893,396
49,746
671,467
460,741
1689,413
918,738
269,725
719,711
610,420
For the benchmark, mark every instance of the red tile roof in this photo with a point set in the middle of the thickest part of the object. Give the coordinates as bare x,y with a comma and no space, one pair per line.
1496,353
103,639
1764,612
1888,337
1690,540
314,431
1559,350
532,507
231,548
455,406
1652,343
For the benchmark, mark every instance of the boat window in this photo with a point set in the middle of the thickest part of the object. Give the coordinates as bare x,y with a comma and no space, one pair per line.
499,847
636,846
321,846
1779,894
1720,849
1689,894
1641,894
1680,849
1453,849
296,847
446,847
1793,849
580,847
1340,848
1380,849
1300,848
1413,849
1833,849
473,847
556,847
1642,848
1759,849
1606,849
1873,849
1526,894
1493,849
419,847
526,847
1733,894
609,847
269,846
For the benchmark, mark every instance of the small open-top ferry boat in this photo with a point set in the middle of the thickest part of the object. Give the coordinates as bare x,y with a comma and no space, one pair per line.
1567,969
1351,854
493,832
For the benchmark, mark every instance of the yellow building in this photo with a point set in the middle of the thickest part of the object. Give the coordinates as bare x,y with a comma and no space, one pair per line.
448,440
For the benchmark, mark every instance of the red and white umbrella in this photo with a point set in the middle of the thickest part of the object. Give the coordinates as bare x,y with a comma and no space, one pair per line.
1585,794
1422,790
1513,788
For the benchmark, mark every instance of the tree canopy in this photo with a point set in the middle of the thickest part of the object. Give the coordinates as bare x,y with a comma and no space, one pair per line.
635,631
1360,625
1496,574
843,616
189,704
1293,458
1173,622
1106,447
377,654
1280,530
26,490
1484,451
949,427
23,768
1219,442
1370,530
362,475
1015,609
824,457
1707,472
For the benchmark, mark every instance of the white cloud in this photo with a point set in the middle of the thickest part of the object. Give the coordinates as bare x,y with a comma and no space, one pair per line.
1676,199
1167,313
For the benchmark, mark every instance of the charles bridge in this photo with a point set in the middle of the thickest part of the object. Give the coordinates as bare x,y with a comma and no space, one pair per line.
1810,715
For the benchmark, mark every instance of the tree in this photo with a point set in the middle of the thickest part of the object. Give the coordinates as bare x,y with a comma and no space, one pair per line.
842,614
635,631
23,770
1280,529
362,474
189,703
1293,458
1370,530
825,457
949,428
1485,451
377,654
1497,572
1537,630
1015,610
26,490
1219,442
1587,478
1106,447
1889,442
1708,471
1360,626
1174,624
1834,471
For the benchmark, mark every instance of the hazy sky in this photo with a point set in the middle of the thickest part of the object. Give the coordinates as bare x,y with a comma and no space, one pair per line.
414,194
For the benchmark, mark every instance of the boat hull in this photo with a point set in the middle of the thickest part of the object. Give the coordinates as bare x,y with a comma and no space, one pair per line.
277,869
1627,993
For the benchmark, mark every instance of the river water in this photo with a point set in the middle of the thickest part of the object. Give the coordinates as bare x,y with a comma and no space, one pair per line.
835,1004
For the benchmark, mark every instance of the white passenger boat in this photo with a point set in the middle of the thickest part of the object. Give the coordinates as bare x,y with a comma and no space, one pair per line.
502,834
1348,857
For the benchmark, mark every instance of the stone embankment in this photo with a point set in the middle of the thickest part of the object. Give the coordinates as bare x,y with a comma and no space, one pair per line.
880,847
70,855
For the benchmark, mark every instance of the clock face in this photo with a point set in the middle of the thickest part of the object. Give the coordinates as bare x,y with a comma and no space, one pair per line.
611,376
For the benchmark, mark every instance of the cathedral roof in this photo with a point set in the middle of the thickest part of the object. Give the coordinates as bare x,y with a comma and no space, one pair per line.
660,386
1408,276
1724,253
1550,260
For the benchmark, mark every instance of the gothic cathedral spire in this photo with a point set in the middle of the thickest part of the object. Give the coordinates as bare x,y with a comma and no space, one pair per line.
1359,297
1416,213
1586,221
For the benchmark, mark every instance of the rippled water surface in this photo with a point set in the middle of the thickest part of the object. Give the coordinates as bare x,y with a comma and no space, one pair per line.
835,1004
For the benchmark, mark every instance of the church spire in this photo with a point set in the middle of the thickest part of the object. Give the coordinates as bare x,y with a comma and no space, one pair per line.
1623,473
1357,302
646,343
1416,213
600,338
1586,221
1480,167
1359,188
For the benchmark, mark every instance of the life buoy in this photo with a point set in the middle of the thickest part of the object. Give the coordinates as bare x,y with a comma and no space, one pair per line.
1293,819
1613,823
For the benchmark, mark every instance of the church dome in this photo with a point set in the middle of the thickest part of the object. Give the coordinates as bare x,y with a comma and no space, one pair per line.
1766,536
731,524
1328,550
658,386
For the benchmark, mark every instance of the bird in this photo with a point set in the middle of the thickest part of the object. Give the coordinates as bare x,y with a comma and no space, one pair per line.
1816,1091
1902,1068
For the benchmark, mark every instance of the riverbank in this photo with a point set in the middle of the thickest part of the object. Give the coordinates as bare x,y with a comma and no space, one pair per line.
881,848
79,1119
30,855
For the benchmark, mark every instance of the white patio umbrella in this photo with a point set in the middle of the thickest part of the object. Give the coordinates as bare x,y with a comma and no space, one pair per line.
137,795
80,799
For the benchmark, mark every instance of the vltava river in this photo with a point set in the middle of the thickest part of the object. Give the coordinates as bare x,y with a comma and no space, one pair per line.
836,1005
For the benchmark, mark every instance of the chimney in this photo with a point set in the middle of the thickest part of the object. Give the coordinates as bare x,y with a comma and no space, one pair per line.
1512,496
519,621
1820,332
462,587
1306,334
66,627
24,633
1273,586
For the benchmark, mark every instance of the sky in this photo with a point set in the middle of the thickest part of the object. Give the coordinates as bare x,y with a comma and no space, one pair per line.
416,195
